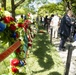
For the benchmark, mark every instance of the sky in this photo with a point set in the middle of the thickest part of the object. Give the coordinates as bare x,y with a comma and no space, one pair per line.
54,1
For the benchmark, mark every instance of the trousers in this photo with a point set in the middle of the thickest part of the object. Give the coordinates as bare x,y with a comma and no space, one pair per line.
55,31
62,41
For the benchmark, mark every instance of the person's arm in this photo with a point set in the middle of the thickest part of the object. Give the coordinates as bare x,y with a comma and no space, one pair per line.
68,21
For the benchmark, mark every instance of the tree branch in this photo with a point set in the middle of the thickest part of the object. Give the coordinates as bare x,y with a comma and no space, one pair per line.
17,4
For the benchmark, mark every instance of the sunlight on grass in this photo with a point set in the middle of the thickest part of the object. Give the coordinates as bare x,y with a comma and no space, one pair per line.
44,59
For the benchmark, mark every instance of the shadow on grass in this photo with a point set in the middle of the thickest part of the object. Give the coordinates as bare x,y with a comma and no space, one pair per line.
45,60
54,73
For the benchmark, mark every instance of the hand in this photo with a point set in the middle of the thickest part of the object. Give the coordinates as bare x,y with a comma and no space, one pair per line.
72,22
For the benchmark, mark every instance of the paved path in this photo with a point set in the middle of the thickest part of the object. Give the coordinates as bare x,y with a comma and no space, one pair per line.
63,55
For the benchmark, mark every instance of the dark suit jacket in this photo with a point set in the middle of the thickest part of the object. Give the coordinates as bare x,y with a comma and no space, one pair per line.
65,26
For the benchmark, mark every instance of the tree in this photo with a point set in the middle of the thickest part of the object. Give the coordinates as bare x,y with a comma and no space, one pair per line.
73,2
67,5
14,6
70,4
51,9
3,2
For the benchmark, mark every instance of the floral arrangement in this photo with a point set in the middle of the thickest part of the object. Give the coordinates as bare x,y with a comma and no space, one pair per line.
10,31
8,28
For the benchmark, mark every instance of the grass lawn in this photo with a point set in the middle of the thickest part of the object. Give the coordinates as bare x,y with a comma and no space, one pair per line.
44,59
4,64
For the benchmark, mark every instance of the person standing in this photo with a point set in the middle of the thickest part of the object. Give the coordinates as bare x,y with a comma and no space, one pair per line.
51,17
45,21
65,28
55,24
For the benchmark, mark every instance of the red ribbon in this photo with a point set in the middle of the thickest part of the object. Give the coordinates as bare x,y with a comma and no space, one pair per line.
10,50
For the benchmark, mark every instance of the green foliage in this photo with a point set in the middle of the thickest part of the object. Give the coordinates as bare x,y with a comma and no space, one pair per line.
24,7
74,6
45,9
20,11
0,1
51,8
8,5
41,1
74,10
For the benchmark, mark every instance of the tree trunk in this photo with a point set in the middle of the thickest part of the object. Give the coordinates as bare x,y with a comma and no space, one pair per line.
67,5
17,4
3,4
14,6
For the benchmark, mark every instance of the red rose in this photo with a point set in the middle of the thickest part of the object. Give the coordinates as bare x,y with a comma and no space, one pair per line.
20,25
14,69
29,44
11,18
15,62
17,35
27,22
6,19
25,27
12,27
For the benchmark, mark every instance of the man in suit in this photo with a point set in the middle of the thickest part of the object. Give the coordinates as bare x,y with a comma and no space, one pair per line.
65,28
